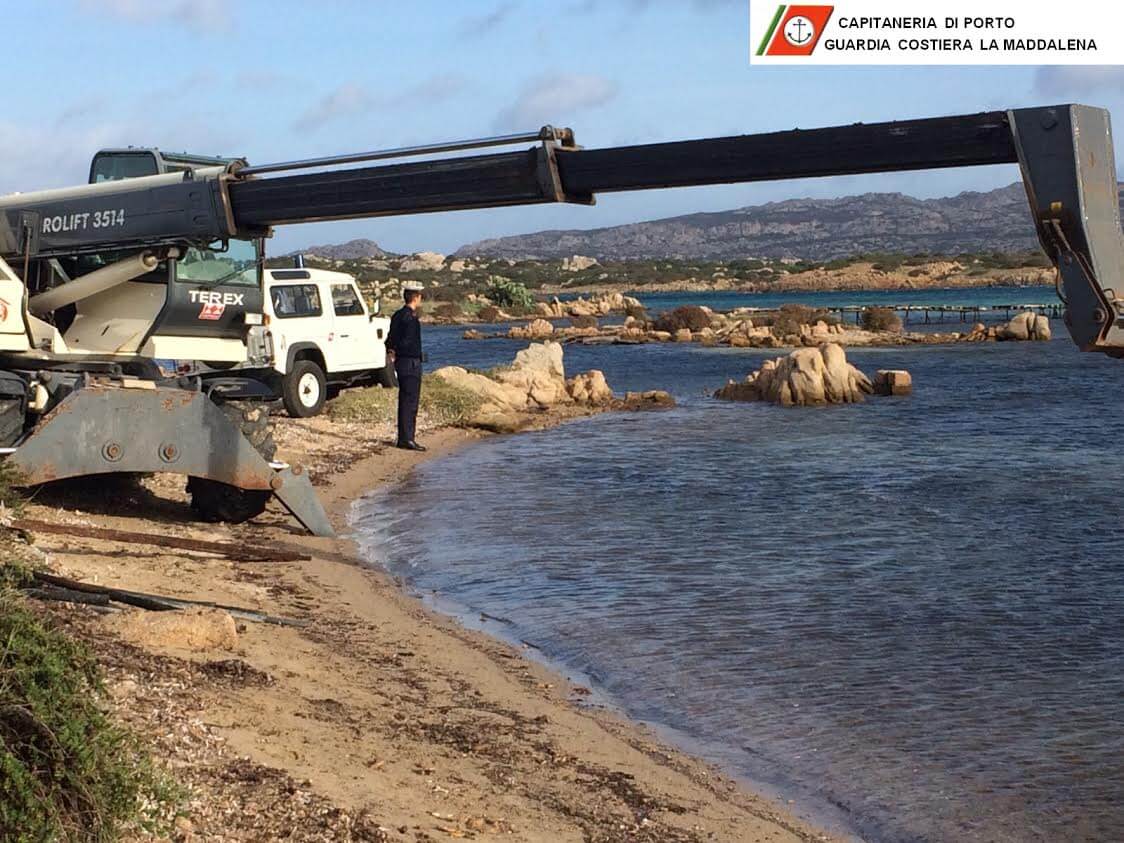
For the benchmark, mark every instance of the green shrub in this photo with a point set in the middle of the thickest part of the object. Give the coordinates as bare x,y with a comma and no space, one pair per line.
881,319
442,404
688,316
445,293
584,321
637,311
504,292
791,316
448,310
68,772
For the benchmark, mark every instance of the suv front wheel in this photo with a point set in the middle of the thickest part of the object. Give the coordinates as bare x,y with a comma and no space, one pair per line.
304,389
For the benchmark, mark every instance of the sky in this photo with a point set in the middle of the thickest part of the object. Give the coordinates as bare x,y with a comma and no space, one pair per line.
278,80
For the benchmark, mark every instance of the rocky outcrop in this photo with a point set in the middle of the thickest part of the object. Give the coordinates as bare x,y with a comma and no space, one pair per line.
576,263
538,373
602,305
535,380
649,399
431,261
807,376
893,382
1025,326
537,329
496,396
589,388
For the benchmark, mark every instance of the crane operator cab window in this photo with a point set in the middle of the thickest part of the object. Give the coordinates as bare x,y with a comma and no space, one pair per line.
236,266
122,165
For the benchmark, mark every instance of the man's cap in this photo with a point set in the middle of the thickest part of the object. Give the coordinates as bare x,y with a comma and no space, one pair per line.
413,286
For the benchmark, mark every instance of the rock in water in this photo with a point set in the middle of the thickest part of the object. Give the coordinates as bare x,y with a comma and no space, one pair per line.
535,379
892,382
536,329
807,376
590,388
1026,325
1042,328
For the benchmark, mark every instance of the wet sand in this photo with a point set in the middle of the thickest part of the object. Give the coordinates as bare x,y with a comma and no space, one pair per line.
378,719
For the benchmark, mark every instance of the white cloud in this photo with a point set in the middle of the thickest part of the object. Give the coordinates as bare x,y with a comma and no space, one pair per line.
475,25
351,98
555,98
588,6
1063,81
211,16
37,157
443,86
344,101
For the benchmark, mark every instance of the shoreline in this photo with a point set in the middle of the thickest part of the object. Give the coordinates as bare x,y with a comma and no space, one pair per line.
598,704
384,710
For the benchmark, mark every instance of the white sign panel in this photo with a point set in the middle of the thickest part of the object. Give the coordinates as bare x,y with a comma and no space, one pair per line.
901,32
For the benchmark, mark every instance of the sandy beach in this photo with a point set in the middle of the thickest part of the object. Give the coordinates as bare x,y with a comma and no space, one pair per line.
376,718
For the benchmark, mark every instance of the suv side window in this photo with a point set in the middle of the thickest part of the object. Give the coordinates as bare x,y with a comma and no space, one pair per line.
291,300
345,301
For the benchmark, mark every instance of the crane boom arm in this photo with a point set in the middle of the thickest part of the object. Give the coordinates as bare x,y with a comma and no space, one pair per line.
1065,153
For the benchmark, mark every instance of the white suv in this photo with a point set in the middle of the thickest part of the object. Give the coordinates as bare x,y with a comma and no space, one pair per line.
322,335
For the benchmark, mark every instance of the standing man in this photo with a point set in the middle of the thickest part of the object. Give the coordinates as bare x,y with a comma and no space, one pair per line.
404,347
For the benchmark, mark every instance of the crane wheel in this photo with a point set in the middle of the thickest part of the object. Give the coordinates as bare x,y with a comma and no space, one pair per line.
215,501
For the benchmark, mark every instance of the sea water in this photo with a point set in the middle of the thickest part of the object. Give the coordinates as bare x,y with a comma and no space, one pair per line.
909,610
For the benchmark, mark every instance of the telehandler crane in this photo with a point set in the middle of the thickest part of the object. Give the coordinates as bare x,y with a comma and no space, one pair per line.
103,287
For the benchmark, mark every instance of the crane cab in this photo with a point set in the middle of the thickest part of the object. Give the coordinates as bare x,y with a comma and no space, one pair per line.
132,162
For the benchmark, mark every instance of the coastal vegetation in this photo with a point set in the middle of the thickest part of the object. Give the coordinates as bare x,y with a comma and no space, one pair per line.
463,288
881,319
442,404
69,771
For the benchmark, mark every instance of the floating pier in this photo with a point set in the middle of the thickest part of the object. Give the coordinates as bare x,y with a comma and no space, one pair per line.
928,313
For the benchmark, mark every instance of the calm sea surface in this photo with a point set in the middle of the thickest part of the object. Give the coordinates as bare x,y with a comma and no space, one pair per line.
906,615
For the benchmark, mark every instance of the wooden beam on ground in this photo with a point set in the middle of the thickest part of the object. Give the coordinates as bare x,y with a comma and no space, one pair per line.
236,552
58,586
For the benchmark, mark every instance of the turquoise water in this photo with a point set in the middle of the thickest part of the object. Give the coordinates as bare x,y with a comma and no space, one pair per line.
909,611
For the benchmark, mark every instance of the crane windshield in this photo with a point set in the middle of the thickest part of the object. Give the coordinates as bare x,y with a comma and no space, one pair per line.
237,266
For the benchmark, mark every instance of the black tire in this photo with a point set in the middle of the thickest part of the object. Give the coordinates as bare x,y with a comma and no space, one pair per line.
215,501
304,389
386,378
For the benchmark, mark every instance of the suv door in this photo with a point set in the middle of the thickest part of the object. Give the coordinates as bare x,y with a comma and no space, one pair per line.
353,329
298,308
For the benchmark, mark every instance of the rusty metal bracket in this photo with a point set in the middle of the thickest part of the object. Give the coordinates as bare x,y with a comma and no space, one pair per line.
106,428
1069,172
550,181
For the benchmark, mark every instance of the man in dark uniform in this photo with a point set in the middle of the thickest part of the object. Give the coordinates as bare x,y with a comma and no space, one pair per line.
404,348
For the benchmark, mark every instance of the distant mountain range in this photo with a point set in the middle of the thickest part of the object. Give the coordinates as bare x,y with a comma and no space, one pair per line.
351,250
813,229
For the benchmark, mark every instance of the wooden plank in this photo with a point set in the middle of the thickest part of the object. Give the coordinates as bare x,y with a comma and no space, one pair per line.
153,602
237,552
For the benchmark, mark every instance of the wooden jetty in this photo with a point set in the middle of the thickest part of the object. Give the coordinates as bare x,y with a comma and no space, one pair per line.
928,313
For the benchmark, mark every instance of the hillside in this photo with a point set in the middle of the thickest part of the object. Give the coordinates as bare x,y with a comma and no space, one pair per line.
809,229
349,251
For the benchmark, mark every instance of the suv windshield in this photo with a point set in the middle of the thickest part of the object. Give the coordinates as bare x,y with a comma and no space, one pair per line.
237,266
